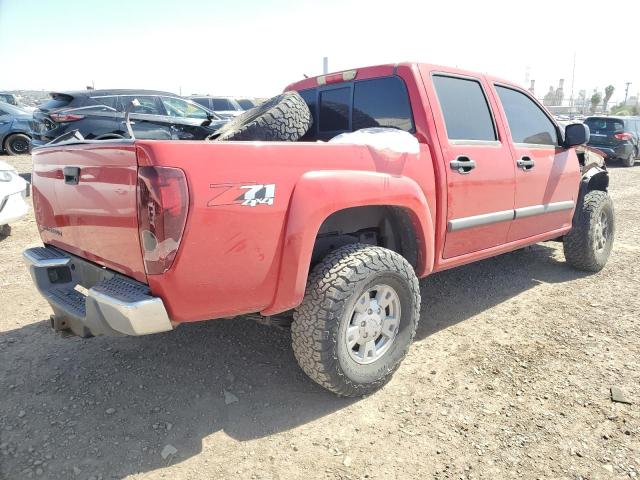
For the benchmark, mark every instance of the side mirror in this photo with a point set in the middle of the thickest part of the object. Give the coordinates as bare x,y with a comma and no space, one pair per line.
576,134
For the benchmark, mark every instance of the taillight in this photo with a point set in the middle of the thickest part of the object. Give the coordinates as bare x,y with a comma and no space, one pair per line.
65,117
163,201
623,136
345,76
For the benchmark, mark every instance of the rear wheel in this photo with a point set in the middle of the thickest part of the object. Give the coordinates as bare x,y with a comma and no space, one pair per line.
17,144
357,320
630,160
588,245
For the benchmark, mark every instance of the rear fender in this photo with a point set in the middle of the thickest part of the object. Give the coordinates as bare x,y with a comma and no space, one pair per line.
319,194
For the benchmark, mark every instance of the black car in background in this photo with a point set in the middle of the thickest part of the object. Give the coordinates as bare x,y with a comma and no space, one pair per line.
616,137
100,115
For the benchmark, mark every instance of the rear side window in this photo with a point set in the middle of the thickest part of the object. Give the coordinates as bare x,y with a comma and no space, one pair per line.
246,103
56,102
335,106
381,102
378,102
202,101
106,101
222,104
605,125
309,96
527,122
465,109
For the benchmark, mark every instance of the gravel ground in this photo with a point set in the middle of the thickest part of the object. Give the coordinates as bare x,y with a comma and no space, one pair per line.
510,376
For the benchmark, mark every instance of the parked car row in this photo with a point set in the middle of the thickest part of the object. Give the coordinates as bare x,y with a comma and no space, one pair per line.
100,115
226,107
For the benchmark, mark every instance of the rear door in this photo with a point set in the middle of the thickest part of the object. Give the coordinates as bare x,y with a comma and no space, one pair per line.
479,168
547,176
148,120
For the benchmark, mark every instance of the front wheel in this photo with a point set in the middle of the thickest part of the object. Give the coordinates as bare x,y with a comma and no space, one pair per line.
588,245
358,317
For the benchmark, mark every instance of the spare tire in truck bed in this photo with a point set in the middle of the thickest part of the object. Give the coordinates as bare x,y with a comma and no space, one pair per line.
284,117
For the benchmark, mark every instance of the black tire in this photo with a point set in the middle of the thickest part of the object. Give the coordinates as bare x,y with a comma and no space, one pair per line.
17,144
284,117
630,160
584,248
320,323
5,231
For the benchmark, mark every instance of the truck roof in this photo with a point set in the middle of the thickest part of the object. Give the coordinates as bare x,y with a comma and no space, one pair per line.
383,70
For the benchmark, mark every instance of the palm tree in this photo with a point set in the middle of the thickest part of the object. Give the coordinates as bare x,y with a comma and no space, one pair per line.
608,92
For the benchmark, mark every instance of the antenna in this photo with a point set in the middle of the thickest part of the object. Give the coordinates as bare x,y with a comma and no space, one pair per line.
573,79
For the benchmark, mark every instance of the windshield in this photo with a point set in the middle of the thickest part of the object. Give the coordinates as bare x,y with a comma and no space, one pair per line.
176,107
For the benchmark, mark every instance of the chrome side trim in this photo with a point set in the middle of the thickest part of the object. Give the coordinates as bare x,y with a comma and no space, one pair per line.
479,220
525,212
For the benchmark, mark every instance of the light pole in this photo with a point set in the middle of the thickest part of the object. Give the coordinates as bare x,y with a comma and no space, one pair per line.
626,92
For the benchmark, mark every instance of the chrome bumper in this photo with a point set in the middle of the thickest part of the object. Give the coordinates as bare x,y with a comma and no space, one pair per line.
90,300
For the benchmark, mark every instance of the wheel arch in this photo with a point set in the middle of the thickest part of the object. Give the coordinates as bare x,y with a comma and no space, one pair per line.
595,178
322,197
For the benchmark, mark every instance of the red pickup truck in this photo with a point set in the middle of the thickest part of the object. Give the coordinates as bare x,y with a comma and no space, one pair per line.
143,235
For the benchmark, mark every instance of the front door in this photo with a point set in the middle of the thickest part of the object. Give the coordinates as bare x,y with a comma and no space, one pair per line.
547,175
479,168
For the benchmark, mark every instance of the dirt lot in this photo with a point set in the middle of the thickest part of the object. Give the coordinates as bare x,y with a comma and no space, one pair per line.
509,377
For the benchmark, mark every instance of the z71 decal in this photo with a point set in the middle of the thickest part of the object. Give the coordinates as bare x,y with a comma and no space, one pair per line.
248,194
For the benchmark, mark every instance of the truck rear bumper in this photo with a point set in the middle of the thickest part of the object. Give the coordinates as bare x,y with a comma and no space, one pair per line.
91,300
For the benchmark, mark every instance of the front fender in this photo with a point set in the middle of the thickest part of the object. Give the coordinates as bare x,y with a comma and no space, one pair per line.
319,194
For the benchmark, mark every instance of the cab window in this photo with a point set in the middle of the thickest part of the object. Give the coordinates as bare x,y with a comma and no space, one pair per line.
527,122
465,109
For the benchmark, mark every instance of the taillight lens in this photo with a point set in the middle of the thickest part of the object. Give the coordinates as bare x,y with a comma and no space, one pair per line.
623,136
163,202
65,117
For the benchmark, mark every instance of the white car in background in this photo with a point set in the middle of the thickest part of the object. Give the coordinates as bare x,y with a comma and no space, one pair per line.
13,192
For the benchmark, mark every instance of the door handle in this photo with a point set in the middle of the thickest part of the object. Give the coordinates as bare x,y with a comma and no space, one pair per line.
462,164
526,163
71,175
124,123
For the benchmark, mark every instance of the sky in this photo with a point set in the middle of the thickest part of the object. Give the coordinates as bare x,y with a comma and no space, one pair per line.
256,48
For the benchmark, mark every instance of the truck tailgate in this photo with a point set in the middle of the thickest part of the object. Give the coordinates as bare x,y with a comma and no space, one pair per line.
85,203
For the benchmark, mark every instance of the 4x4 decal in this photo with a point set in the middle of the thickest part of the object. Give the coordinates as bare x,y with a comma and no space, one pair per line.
248,194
